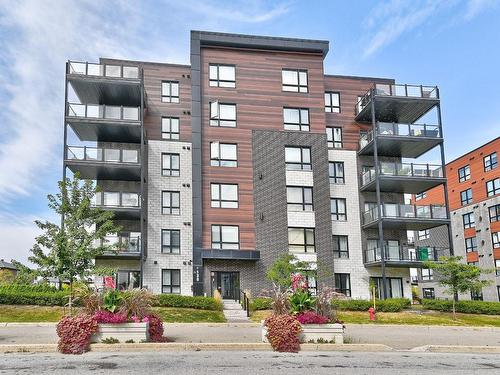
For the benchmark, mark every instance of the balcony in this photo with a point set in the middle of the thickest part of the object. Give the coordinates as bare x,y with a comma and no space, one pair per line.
397,103
105,83
99,163
105,123
401,140
125,246
403,177
406,217
401,256
125,205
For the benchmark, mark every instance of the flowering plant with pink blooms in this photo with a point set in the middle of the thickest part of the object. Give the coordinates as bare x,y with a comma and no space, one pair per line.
311,317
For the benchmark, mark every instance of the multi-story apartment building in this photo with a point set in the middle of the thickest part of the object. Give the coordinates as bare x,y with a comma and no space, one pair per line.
474,191
216,168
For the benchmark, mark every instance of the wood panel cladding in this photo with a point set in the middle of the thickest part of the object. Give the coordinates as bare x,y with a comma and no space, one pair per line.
259,100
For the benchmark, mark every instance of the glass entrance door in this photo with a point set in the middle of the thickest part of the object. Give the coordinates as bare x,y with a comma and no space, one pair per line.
228,284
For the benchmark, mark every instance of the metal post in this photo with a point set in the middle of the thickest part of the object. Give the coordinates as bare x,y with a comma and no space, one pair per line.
65,133
143,194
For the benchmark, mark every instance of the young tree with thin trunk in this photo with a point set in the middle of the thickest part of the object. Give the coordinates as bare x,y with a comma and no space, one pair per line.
68,251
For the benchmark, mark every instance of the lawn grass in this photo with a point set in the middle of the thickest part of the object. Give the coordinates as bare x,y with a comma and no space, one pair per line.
34,314
408,317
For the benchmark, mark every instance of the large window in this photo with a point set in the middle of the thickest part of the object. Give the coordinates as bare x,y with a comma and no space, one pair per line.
301,240
470,244
298,158
466,196
476,295
463,173
171,281
495,240
294,80
332,102
170,165
394,287
424,234
334,137
170,91
223,154
343,283
299,198
428,293
223,115
171,241
128,280
340,246
494,213
427,274
224,195
170,128
497,267
336,171
338,209
296,119
222,75
225,237
490,162
468,220
170,203
493,187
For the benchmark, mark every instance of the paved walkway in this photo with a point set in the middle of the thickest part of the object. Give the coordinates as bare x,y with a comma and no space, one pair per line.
233,312
395,336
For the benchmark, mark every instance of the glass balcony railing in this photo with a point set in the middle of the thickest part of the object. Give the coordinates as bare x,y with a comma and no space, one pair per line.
97,111
401,130
405,211
403,170
103,70
116,199
403,254
101,154
122,243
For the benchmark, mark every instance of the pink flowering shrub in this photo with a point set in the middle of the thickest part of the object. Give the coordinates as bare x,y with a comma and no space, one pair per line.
299,282
311,317
155,328
283,333
75,332
105,316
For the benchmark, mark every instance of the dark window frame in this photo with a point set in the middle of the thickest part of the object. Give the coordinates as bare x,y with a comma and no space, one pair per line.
495,244
495,187
432,294
128,272
494,213
170,172
425,236
220,201
300,88
305,245
332,108
337,251
170,210
469,223
334,179
302,126
171,98
222,242
490,161
330,137
215,121
170,286
464,173
170,248
304,166
429,274
217,162
476,295
468,197
420,196
303,204
338,216
343,283
470,244
172,135
217,81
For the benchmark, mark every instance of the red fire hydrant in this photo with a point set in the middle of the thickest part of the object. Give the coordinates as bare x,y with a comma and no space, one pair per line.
371,310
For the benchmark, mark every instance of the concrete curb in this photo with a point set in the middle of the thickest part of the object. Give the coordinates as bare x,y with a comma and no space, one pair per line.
50,324
457,349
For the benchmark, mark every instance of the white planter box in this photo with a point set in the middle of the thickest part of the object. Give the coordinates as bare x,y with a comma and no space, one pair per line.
122,332
327,332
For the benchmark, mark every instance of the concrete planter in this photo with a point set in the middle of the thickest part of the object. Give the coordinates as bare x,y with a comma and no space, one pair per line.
314,332
122,332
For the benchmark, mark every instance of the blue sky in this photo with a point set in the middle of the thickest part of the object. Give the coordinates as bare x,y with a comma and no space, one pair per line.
451,43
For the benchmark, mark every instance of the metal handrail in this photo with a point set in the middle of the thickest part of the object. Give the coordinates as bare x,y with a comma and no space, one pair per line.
100,154
245,301
103,70
402,253
395,129
402,170
123,244
396,210
100,111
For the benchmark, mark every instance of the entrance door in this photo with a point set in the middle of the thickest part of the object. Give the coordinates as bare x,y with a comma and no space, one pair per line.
228,284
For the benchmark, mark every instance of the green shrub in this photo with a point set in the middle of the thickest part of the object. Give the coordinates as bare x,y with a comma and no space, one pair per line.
196,302
43,287
57,298
467,307
388,305
261,303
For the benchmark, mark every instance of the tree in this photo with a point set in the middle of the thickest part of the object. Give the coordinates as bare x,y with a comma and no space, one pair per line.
25,275
67,251
457,277
284,267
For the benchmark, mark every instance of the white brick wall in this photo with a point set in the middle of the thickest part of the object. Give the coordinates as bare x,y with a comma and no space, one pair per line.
301,219
299,178
157,221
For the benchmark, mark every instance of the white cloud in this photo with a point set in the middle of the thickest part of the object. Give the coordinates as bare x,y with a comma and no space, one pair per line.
475,7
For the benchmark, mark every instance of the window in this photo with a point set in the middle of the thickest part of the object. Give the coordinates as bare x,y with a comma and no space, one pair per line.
332,102
171,281
394,287
476,295
301,240
336,171
428,293
470,244
223,115
334,137
493,187
128,280
299,198
420,196
466,196
495,240
298,158
337,209
473,263
171,241
424,234
225,237
224,195
463,173
296,119
223,154
468,220
170,91
497,267
222,75
170,203
170,128
312,285
427,274
494,213
343,283
170,165
340,247
294,80
490,162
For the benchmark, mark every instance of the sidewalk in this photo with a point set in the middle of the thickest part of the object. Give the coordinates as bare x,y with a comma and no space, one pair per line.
395,336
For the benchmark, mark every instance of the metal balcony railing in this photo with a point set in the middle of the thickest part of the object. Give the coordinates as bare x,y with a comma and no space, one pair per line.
103,70
122,243
401,130
102,154
110,112
403,254
405,211
403,170
117,199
